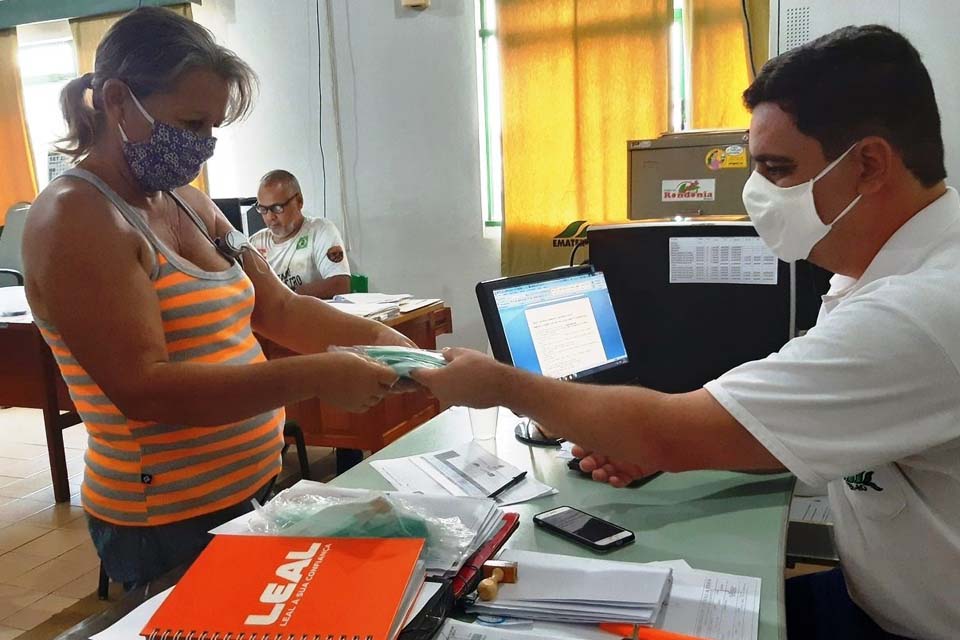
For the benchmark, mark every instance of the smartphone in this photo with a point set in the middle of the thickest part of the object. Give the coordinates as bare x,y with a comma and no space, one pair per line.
583,528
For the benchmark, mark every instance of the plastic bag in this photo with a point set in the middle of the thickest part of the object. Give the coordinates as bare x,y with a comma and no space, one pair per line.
312,509
402,360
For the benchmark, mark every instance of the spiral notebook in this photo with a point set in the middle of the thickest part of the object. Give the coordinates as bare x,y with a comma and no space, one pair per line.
286,587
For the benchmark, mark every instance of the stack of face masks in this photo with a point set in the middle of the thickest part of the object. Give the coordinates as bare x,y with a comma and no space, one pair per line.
402,360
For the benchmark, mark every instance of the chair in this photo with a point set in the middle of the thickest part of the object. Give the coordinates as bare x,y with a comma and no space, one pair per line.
292,430
11,260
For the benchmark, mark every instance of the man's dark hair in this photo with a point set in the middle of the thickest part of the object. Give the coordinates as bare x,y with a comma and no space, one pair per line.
857,82
283,177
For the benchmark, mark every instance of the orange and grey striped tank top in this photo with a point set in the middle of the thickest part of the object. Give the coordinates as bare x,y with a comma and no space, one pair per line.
144,473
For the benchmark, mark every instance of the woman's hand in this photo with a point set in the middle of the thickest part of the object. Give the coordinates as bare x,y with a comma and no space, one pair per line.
388,337
352,382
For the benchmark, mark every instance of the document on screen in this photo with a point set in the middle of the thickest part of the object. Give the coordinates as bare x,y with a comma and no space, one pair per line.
565,337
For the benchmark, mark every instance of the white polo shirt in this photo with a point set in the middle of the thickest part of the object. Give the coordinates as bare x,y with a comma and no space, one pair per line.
868,403
315,252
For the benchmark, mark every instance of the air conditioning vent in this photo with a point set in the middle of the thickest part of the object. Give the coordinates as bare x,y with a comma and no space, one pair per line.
796,28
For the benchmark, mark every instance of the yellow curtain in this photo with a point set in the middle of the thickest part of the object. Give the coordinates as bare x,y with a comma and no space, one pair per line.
87,34
579,79
720,60
759,13
18,180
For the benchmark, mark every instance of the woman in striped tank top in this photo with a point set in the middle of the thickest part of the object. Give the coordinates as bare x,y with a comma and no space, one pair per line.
151,325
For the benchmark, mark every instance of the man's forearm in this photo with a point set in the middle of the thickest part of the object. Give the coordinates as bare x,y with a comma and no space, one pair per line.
609,419
658,431
325,288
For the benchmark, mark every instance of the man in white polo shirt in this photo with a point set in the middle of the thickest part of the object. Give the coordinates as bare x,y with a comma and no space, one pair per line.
849,173
306,253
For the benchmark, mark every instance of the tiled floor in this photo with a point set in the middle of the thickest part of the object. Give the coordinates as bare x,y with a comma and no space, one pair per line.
47,562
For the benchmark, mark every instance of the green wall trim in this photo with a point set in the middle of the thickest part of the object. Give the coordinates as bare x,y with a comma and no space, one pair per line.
16,12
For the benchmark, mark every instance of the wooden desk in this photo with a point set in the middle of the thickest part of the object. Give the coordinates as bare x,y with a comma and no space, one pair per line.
29,378
327,426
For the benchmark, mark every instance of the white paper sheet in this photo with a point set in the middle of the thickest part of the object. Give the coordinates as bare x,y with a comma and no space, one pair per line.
466,470
13,305
721,260
406,306
372,298
456,630
554,577
384,311
811,509
566,451
713,605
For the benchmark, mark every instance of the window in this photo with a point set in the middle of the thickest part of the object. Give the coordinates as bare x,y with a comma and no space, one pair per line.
491,168
47,63
491,165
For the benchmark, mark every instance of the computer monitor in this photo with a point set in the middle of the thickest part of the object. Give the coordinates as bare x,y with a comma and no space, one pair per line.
557,323
696,298
240,210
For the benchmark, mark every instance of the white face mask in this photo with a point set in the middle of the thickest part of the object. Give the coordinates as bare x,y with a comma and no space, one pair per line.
786,217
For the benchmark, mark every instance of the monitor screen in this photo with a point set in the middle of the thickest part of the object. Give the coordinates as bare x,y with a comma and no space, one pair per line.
560,327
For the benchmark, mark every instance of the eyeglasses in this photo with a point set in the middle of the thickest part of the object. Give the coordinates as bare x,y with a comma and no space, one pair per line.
263,209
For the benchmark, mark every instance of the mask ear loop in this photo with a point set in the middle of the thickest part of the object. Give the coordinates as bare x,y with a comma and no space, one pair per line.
149,118
827,170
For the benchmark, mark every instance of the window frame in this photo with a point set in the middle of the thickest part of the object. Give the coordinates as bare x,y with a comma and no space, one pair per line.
491,154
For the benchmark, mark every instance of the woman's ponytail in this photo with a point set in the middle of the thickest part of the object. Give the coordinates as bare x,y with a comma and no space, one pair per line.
80,116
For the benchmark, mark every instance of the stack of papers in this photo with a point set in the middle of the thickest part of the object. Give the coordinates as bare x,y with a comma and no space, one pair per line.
372,298
406,306
13,305
467,470
580,590
456,527
701,604
374,311
404,301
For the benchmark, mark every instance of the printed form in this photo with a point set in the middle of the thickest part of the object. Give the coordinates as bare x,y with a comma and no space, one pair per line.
721,260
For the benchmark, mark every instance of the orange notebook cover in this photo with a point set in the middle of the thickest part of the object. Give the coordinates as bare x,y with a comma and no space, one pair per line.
284,587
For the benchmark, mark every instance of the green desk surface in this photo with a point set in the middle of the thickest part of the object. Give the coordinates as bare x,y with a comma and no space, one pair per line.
714,520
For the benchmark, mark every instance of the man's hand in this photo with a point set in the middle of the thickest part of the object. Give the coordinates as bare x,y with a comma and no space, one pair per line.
471,379
605,469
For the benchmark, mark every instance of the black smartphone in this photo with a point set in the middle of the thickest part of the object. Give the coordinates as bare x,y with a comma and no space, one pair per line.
583,528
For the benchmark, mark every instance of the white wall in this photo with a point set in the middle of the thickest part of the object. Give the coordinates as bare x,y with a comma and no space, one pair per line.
930,25
408,131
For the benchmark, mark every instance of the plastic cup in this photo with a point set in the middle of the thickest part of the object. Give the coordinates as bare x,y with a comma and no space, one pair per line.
483,423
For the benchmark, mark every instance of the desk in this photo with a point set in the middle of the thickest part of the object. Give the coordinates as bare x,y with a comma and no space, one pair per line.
715,520
719,521
29,378
327,426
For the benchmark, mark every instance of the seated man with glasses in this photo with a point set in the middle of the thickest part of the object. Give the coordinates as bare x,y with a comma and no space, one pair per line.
307,253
